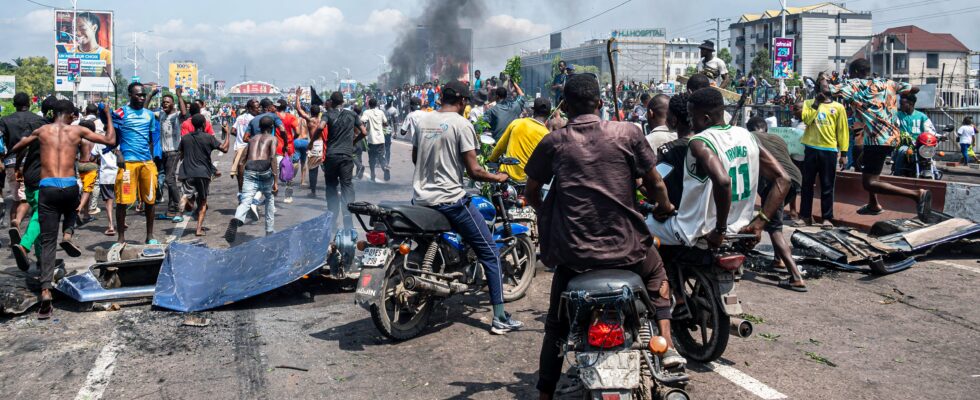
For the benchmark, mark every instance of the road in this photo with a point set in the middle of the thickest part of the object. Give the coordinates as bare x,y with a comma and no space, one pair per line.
916,332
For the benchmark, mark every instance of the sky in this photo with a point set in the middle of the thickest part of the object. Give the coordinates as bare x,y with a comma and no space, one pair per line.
290,42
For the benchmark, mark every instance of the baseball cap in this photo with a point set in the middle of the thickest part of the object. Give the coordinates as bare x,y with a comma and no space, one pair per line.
455,89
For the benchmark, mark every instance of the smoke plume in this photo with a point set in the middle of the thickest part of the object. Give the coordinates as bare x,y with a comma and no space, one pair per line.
438,43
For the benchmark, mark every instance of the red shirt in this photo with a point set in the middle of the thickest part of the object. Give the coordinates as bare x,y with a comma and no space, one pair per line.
187,127
292,125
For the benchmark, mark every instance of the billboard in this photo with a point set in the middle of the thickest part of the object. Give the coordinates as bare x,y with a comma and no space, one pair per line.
8,86
782,58
183,74
83,51
219,88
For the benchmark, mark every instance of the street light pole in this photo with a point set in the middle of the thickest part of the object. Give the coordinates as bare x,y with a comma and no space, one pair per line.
160,53
74,50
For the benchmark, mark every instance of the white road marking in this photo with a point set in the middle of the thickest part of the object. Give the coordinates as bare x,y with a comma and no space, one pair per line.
958,266
746,382
178,230
98,377
402,142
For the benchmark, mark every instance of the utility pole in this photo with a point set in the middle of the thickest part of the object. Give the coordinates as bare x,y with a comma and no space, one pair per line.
160,53
717,30
136,54
782,13
74,50
244,73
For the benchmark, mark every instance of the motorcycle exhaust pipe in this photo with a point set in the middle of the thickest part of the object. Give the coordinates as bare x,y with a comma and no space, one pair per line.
740,327
420,284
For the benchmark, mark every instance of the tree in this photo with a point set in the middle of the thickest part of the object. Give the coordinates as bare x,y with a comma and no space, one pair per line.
554,65
121,83
691,70
35,76
762,65
513,69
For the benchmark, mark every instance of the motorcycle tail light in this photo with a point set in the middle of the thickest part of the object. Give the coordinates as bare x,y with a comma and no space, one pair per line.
730,262
606,335
927,151
377,238
611,396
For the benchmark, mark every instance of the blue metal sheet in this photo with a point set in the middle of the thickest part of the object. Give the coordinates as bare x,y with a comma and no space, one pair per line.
85,287
195,278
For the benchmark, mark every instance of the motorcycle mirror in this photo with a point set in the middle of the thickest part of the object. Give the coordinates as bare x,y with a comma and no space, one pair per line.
509,161
487,139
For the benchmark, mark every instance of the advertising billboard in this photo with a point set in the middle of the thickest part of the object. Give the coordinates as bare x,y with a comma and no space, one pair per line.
8,85
782,58
83,50
183,74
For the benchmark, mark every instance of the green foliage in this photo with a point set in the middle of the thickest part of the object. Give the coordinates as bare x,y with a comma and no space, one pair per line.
691,70
35,76
762,65
513,69
726,56
120,81
554,65
604,77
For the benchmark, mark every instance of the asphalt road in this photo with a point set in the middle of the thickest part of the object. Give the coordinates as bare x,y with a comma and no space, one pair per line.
912,334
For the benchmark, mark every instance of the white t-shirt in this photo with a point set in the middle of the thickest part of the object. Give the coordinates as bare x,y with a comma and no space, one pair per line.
772,122
411,124
440,142
966,134
107,164
240,126
714,69
374,120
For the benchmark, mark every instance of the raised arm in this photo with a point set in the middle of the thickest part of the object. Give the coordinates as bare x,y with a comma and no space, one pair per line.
227,143
299,107
180,102
110,132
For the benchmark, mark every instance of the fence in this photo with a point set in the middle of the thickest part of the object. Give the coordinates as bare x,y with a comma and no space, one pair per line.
952,118
958,98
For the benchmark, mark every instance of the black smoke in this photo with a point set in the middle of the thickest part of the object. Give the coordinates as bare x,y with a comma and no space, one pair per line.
436,44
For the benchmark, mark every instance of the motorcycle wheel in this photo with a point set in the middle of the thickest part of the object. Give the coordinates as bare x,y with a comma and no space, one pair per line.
396,320
517,267
704,336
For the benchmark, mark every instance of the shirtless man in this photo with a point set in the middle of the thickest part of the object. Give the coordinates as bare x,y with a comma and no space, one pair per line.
261,175
88,171
58,193
314,132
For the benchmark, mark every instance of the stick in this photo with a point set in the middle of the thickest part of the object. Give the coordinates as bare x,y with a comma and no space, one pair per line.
612,75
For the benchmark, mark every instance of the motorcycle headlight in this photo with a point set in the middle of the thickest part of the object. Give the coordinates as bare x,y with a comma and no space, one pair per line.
927,151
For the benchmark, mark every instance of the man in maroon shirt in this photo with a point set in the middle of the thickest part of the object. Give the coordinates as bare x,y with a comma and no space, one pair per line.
589,219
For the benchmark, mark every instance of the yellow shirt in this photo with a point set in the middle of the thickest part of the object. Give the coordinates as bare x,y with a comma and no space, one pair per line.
519,141
826,126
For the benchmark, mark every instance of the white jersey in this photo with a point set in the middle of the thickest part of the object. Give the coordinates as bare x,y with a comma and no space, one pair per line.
739,155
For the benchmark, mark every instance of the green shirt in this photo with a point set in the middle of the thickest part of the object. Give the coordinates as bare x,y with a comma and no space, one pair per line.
915,123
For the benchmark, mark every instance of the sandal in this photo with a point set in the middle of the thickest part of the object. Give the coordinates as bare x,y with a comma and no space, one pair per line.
109,232
200,234
865,210
178,219
71,249
45,310
20,255
14,234
787,284
152,241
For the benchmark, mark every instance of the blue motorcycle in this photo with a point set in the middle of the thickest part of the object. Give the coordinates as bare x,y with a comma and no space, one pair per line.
413,260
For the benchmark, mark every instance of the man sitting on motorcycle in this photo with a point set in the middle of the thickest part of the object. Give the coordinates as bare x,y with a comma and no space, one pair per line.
912,123
443,146
721,177
589,219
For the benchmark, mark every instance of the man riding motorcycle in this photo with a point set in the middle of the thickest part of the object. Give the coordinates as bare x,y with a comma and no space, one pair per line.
721,177
912,124
589,219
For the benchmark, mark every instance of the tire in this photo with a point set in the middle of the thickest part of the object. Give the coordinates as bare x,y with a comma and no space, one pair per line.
518,276
706,312
392,324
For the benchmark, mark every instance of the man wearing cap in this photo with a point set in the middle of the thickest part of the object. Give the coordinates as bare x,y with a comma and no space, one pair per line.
443,147
521,138
712,66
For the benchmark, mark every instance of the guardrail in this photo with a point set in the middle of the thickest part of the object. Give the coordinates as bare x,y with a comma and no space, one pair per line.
958,98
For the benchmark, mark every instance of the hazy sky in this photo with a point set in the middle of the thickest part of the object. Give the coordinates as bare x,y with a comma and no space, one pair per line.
290,41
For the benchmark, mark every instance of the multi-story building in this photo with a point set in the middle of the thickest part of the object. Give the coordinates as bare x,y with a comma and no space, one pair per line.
826,36
912,54
639,57
681,54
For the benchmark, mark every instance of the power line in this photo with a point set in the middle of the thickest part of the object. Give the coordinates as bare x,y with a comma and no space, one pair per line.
562,29
934,15
41,4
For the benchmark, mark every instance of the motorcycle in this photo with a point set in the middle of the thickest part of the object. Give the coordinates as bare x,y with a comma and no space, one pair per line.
918,155
704,282
616,344
413,260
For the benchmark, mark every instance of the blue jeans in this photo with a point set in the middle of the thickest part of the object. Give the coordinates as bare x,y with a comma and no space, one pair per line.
965,150
467,221
258,182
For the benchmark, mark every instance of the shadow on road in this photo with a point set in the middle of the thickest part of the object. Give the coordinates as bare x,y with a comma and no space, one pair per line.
522,389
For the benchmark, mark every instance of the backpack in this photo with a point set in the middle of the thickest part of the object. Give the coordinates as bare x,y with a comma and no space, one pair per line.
286,171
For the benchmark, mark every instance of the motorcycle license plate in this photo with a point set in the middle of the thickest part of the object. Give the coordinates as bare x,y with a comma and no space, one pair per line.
521,213
375,256
609,370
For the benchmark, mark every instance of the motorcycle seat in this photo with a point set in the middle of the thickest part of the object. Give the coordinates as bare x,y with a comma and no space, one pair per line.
606,280
406,217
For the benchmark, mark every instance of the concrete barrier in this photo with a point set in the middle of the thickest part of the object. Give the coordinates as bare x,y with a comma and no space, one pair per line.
957,199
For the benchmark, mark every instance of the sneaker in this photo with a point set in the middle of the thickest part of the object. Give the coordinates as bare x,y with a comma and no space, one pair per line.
502,326
288,200
827,225
387,174
232,230
673,359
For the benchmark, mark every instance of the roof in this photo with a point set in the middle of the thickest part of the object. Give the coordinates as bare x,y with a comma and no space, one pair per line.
789,11
918,39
